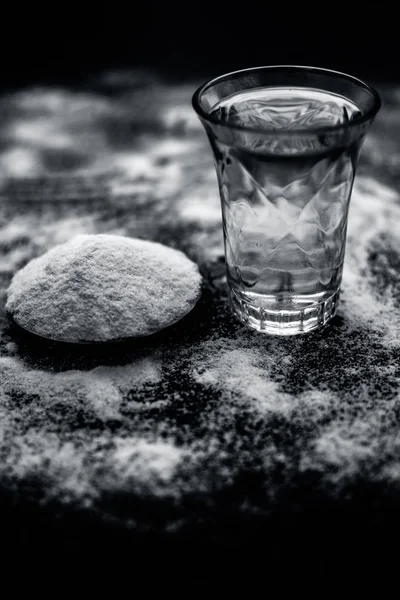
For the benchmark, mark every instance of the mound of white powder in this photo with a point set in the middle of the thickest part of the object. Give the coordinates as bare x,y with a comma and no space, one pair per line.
221,429
98,288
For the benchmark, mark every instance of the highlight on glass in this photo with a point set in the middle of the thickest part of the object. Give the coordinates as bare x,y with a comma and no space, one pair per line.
286,141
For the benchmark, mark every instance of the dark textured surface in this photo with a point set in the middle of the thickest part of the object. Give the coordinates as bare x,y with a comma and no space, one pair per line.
208,433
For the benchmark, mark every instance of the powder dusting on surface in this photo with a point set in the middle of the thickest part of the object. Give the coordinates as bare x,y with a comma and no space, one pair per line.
210,413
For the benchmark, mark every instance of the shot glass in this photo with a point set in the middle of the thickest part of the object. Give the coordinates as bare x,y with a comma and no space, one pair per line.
286,141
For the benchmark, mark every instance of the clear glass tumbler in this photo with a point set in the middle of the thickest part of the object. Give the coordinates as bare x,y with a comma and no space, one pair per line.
286,141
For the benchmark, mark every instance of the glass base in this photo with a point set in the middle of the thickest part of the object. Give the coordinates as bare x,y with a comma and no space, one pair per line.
298,316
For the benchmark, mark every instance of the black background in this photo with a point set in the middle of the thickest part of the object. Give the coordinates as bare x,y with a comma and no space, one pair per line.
67,42
192,40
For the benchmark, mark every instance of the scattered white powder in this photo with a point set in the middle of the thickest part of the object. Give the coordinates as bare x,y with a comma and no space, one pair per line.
226,405
19,162
61,103
40,131
57,400
64,230
102,388
19,243
48,131
41,455
374,212
201,207
15,258
142,464
103,287
134,164
165,178
209,245
244,373
106,386
181,115
250,378
14,232
347,446
171,148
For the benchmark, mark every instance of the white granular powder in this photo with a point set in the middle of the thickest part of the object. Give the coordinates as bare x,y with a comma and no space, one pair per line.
103,287
222,418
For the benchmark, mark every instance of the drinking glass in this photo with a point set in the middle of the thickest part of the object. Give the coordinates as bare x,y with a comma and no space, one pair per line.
286,141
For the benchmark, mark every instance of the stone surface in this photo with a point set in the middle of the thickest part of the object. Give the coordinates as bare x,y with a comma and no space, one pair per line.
207,432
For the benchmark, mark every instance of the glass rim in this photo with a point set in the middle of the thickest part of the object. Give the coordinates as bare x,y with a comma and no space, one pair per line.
364,118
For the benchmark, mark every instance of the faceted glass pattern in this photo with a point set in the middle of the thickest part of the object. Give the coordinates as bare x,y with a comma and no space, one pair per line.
285,159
